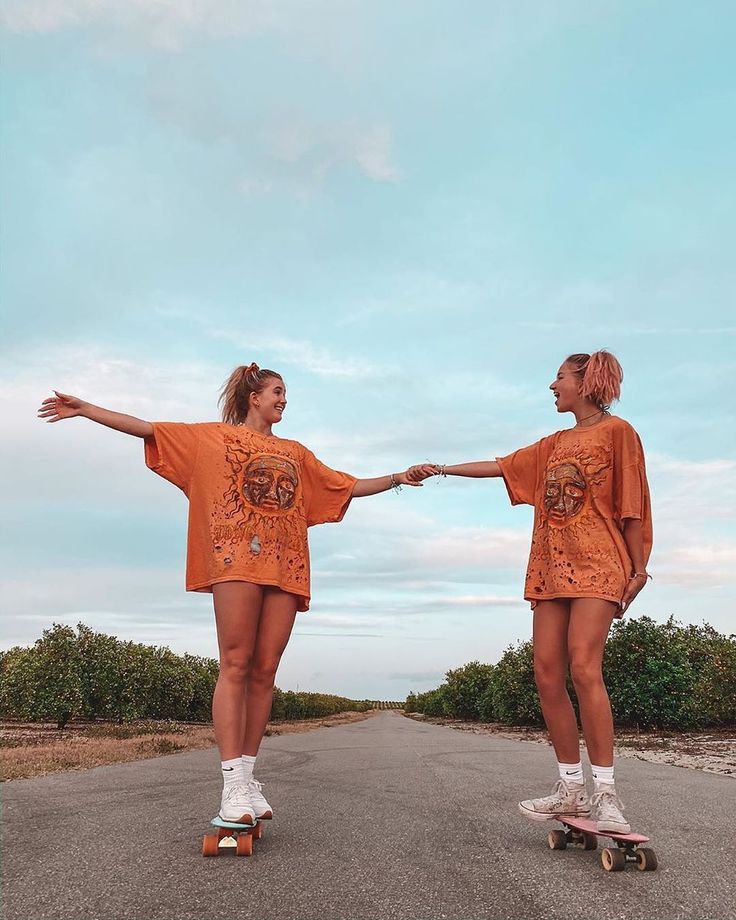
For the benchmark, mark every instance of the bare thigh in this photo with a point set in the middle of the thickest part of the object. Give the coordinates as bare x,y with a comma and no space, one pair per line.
276,622
590,622
238,607
550,631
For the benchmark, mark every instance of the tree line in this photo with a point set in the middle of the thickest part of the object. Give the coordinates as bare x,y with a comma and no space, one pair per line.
659,675
82,674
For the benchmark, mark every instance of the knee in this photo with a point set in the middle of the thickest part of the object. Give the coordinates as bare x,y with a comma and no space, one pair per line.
549,676
586,675
235,666
263,671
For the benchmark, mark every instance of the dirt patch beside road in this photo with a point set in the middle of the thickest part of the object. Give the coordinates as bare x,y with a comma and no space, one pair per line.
712,751
33,749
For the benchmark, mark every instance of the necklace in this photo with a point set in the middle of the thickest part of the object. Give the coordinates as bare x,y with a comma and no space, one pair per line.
577,425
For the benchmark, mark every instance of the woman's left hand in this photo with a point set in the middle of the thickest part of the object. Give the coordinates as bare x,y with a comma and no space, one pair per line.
636,583
415,474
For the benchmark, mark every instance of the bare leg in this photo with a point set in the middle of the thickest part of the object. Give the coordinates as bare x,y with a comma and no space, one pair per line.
237,613
590,621
274,629
551,626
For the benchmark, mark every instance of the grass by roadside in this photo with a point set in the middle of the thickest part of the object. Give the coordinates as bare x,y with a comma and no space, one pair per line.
713,751
32,749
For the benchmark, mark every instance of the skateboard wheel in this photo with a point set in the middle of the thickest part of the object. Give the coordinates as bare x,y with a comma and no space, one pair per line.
613,860
210,845
257,832
590,842
557,840
646,859
244,845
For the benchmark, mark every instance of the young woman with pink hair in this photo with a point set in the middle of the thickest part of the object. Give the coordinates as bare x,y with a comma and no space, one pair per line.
590,545
252,496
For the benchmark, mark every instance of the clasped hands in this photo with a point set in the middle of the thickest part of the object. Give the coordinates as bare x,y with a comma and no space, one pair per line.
415,475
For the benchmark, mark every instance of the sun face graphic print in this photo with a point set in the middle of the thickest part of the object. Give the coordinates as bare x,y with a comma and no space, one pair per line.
571,546
260,521
565,491
270,483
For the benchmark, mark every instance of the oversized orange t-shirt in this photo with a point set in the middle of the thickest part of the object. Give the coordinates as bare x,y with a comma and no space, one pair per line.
583,483
251,499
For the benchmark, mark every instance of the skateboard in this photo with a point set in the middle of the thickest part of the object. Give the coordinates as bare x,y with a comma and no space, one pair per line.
584,833
231,835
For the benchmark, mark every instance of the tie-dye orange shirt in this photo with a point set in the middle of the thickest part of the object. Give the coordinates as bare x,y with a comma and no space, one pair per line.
251,499
583,483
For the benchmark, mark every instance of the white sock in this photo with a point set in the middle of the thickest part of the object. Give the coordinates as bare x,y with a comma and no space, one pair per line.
602,775
248,764
571,772
232,772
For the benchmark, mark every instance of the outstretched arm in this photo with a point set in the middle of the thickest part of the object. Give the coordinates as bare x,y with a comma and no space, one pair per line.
481,469
62,406
410,477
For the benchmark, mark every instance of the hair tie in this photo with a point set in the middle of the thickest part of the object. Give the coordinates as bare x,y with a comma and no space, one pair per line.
252,367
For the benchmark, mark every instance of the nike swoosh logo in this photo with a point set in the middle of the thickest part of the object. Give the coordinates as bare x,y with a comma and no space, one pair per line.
228,769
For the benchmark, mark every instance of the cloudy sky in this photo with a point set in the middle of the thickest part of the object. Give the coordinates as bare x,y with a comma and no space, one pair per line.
414,211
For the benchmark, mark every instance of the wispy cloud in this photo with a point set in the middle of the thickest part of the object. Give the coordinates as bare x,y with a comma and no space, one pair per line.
166,25
300,353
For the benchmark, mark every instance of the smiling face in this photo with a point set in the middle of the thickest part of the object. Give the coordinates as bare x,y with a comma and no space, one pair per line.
566,387
270,403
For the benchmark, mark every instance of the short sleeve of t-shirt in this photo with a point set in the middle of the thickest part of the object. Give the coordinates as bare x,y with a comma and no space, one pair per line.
630,489
522,471
171,451
327,492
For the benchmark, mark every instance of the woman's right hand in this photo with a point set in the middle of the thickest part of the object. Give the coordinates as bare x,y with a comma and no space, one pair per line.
61,406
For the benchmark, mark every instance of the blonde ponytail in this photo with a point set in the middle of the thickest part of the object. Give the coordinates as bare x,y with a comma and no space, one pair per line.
235,393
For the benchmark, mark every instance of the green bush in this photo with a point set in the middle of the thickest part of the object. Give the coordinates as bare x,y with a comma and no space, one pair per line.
658,676
648,674
291,705
512,697
464,689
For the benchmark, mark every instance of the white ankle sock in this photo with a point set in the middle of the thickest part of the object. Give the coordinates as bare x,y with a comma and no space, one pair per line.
602,775
248,764
232,771
571,772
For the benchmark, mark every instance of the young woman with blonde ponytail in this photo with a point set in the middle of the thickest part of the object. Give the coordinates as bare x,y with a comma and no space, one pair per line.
590,546
252,496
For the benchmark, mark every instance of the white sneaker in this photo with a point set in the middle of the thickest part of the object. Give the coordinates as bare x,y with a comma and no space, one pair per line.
237,805
608,811
566,799
263,809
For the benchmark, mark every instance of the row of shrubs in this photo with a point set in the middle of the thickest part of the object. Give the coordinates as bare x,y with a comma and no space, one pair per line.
70,674
665,676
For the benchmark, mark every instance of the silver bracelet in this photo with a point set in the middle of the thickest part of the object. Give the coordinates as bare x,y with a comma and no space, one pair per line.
395,486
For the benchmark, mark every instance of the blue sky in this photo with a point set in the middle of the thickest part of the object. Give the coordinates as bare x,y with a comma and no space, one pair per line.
414,212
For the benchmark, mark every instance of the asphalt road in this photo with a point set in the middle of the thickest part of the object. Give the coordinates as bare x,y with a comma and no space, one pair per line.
386,818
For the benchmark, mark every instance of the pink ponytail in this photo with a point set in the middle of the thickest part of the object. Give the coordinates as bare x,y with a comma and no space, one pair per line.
601,376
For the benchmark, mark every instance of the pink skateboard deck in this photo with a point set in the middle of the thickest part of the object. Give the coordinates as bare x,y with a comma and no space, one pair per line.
584,833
